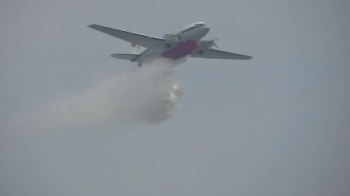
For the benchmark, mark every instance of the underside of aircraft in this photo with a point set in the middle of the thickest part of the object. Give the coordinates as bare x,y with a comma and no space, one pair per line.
172,46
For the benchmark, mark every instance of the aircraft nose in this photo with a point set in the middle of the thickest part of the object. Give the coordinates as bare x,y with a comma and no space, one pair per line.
206,29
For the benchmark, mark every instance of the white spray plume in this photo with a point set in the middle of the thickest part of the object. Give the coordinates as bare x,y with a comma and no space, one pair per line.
149,94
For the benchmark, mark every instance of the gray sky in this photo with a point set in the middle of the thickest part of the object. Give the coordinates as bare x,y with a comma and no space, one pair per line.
276,125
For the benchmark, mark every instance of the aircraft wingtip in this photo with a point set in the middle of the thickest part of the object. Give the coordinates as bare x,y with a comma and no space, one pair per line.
91,26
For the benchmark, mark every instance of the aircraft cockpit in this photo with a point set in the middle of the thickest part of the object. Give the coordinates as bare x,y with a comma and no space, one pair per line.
191,26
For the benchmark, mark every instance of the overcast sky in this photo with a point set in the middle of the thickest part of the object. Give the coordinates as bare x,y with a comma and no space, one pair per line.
278,124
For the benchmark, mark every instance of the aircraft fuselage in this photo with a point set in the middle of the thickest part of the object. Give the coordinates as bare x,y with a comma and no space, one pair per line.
183,44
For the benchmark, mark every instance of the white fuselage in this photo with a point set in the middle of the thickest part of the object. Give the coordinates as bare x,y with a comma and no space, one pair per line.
182,44
194,32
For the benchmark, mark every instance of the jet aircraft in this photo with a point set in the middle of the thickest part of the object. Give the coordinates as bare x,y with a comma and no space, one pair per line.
171,46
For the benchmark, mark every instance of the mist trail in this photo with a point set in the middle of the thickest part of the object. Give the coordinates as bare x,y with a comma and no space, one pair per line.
149,94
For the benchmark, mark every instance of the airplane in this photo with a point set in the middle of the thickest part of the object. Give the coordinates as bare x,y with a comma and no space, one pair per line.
187,42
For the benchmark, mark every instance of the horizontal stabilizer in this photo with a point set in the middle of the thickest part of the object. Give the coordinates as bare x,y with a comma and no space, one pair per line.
130,57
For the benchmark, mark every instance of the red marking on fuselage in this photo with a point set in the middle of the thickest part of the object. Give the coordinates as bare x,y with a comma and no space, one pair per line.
181,50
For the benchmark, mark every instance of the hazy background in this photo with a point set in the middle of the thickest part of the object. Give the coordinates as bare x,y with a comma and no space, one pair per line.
276,125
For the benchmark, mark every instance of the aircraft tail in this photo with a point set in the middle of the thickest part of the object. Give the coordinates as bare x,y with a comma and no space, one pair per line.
130,57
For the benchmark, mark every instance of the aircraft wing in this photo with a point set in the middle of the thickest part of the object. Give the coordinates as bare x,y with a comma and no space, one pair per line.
218,54
134,38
